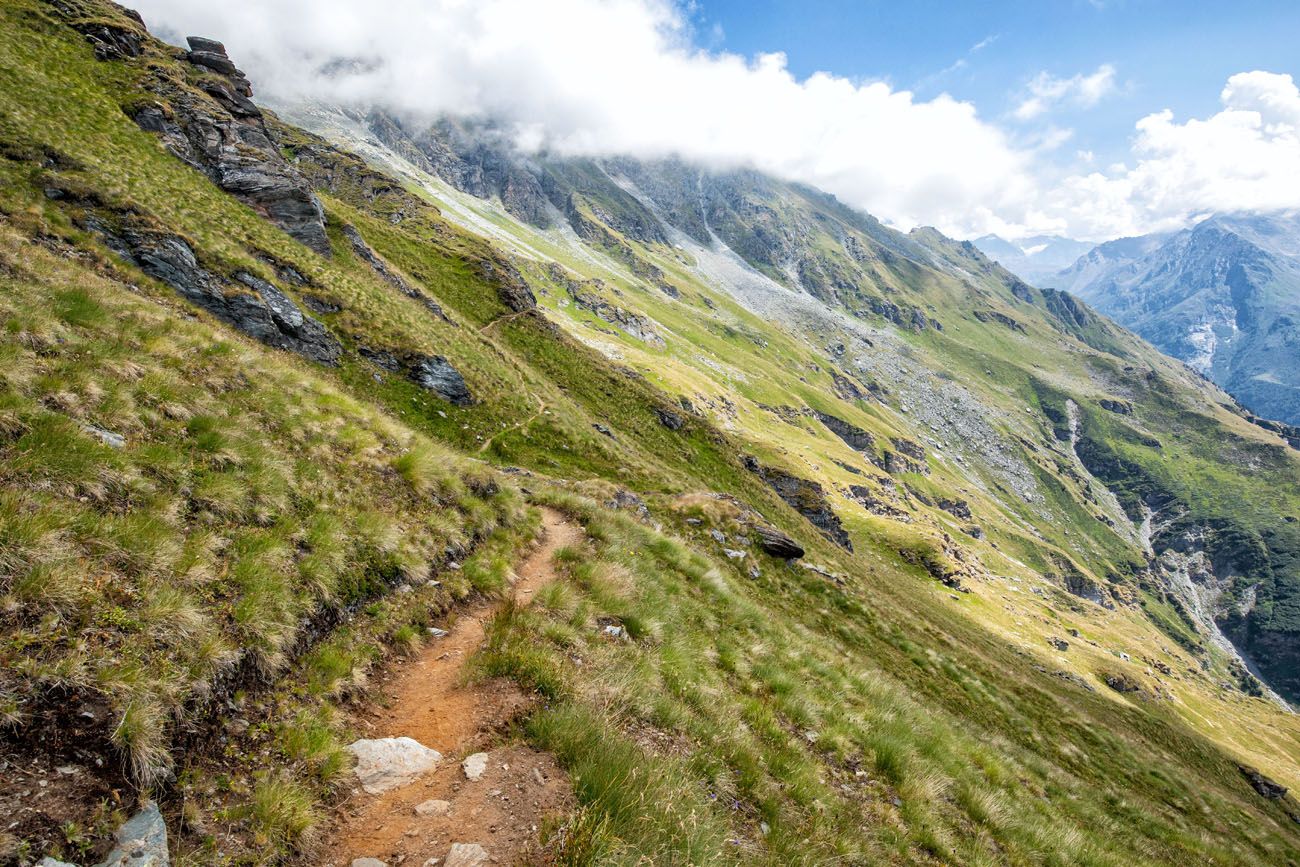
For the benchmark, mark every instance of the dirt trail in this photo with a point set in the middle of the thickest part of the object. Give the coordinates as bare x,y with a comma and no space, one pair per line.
428,701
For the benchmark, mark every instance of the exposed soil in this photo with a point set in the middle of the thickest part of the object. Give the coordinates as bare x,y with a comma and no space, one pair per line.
55,788
428,700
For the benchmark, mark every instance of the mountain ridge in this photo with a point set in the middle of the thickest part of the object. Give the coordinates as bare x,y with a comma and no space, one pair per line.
1220,296
864,573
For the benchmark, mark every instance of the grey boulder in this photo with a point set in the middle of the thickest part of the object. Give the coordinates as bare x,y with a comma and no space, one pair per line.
388,763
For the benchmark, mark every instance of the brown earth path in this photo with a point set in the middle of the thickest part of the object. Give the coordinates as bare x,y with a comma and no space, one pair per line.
428,700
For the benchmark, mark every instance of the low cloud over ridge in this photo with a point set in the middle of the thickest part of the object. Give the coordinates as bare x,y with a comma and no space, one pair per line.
623,76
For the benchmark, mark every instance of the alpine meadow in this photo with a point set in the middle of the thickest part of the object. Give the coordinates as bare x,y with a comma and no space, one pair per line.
383,487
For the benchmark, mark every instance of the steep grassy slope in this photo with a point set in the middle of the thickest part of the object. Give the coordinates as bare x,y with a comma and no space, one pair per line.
189,605
1001,363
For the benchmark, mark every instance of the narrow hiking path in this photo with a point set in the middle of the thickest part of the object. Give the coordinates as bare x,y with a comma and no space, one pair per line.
541,408
428,700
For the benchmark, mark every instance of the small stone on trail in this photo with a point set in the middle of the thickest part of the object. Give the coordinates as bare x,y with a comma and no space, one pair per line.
368,862
475,765
387,763
433,808
466,855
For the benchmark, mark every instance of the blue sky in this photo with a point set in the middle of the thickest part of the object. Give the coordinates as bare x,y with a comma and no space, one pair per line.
1174,55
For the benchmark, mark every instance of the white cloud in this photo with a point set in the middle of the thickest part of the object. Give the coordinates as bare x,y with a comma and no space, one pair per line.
1045,91
626,76
1245,157
621,76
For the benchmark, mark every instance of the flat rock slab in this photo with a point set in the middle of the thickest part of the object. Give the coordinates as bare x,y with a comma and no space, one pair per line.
384,764
466,855
368,862
475,765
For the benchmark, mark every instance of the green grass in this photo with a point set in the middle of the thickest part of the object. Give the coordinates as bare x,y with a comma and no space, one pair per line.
247,538
745,703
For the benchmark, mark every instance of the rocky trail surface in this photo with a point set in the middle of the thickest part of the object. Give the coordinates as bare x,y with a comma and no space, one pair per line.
470,802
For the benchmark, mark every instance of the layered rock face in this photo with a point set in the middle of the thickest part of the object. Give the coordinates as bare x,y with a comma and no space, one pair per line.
255,306
226,138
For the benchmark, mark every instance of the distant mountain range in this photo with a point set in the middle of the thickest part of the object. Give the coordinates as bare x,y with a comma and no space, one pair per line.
1036,259
1223,296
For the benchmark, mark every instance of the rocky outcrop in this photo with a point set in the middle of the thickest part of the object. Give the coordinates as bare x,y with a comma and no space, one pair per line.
435,373
848,389
1000,318
669,419
1263,785
1288,432
431,372
1121,682
854,437
806,497
586,295
111,40
257,308
876,505
224,136
510,285
956,508
777,544
387,274
1119,407
909,458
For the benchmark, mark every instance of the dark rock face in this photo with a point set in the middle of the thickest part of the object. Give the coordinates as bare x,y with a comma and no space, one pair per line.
1084,587
388,275
435,373
1000,318
669,419
956,508
511,287
909,458
806,497
431,372
381,358
1121,682
868,500
1262,784
266,314
1288,432
1119,407
225,137
112,42
778,544
854,437
847,388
